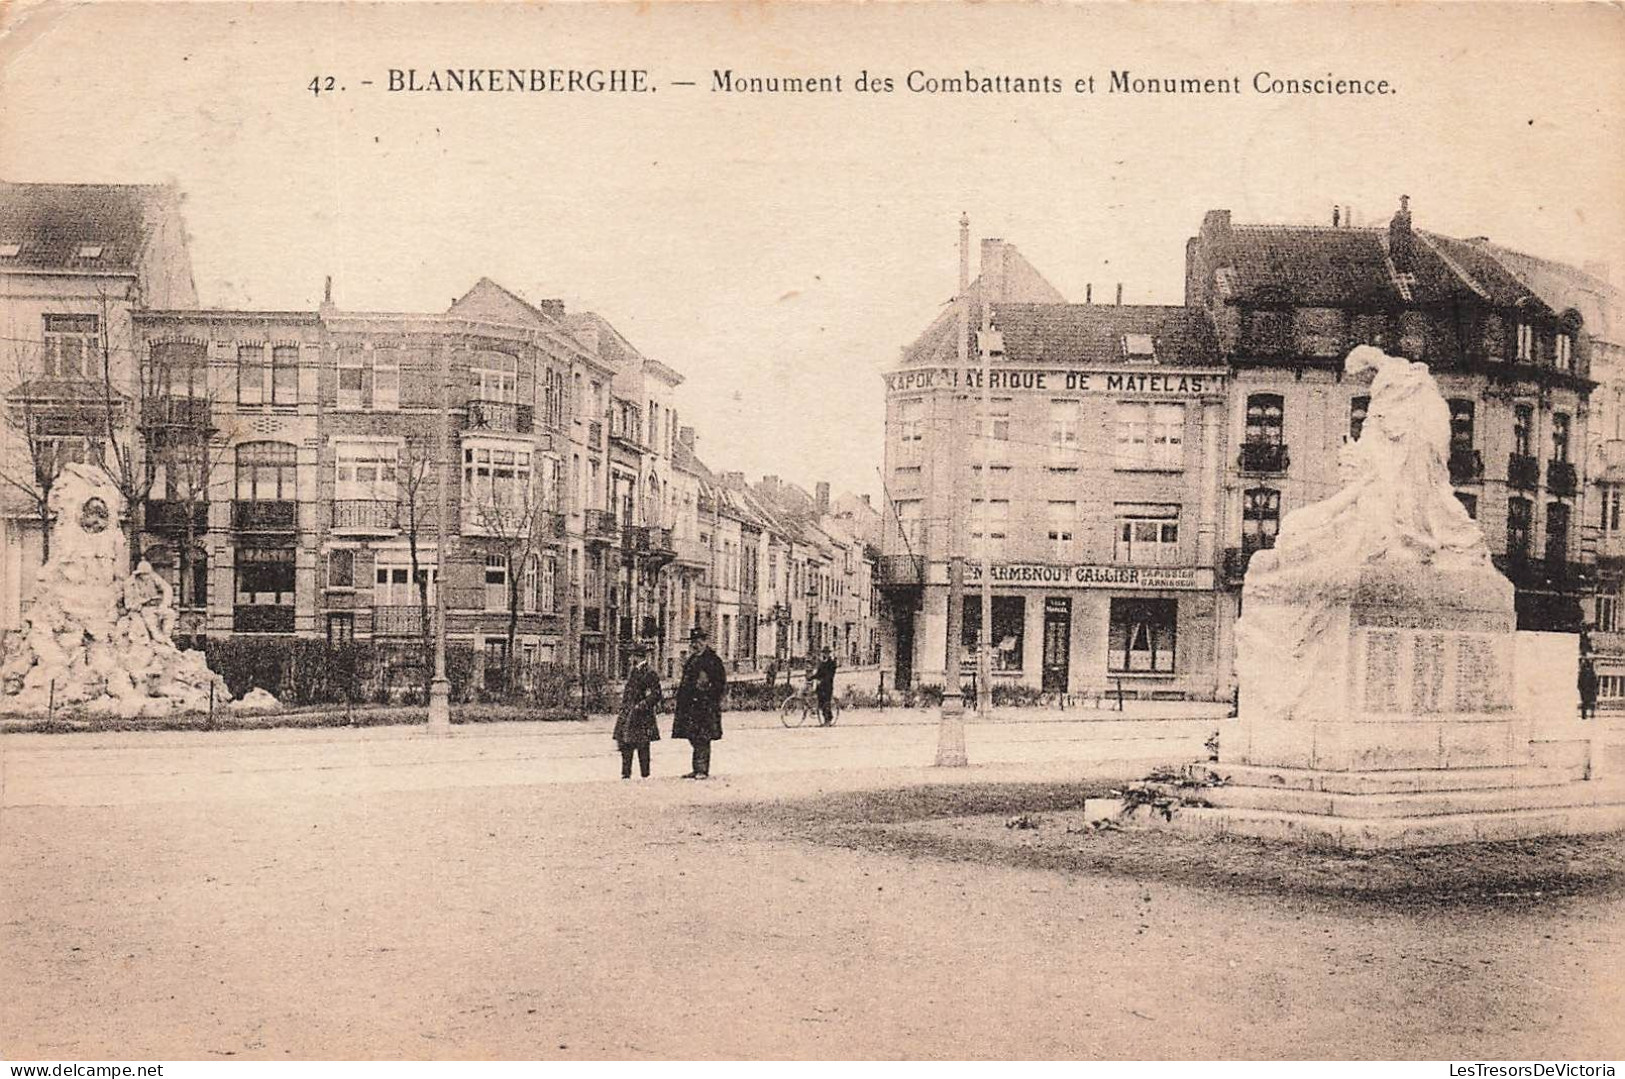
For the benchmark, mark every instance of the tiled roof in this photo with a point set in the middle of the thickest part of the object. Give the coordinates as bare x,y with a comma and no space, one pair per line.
1600,302
1093,334
52,223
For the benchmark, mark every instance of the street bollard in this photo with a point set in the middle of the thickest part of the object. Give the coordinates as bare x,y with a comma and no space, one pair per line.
211,706
50,705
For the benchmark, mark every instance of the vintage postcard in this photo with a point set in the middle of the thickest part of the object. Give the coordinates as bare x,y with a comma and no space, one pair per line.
802,531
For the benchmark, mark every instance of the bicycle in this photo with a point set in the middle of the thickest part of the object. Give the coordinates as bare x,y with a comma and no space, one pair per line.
804,702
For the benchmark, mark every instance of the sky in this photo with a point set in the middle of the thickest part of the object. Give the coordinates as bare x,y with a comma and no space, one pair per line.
780,250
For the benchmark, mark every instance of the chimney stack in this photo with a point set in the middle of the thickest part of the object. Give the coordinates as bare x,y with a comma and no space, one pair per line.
1400,242
1119,294
735,480
821,498
1089,293
327,296
1337,216
553,309
687,437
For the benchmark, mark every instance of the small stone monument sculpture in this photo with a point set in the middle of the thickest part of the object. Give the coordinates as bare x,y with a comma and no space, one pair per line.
1375,657
95,638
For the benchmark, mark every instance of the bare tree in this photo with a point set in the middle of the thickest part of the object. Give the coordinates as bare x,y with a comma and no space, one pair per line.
511,514
119,459
29,417
412,476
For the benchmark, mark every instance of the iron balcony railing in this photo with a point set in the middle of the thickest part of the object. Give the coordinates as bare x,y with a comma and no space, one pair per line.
1466,465
166,516
399,620
501,416
599,525
1562,478
1523,471
278,516
900,570
165,410
366,515
1265,457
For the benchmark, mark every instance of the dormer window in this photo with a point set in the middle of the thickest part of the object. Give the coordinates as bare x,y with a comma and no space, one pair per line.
1139,346
90,251
10,251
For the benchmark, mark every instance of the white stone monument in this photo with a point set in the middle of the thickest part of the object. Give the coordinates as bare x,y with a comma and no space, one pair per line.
95,638
1375,656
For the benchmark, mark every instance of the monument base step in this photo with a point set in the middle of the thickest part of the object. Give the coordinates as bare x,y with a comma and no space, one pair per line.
1411,804
1399,781
1394,832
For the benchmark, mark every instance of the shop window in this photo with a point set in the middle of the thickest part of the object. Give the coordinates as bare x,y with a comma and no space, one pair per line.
1147,534
1009,626
1358,407
1260,518
1142,636
1519,517
1150,436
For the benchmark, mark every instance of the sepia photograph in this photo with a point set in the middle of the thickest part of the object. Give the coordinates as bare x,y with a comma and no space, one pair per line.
812,531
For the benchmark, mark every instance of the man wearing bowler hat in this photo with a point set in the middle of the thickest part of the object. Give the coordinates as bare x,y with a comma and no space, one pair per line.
699,702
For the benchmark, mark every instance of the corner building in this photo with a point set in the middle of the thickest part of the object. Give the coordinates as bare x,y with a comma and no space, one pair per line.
1105,441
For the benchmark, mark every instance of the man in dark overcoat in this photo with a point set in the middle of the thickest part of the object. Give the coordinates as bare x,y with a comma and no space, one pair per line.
699,702
640,702
824,682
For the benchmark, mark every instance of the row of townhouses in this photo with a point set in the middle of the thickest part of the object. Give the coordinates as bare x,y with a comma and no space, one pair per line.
1137,456
286,469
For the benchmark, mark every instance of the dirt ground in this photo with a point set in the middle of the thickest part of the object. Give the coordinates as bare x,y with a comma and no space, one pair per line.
778,917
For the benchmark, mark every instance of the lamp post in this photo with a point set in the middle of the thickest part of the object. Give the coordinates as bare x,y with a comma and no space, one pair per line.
440,686
951,727
987,342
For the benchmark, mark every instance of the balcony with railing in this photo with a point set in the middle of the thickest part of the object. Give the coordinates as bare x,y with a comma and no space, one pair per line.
366,516
506,416
170,517
649,542
167,411
599,526
691,552
275,516
900,571
1523,471
262,618
1466,465
551,527
1562,479
1264,457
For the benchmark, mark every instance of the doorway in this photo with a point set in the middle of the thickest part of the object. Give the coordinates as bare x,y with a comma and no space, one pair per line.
905,649
1057,643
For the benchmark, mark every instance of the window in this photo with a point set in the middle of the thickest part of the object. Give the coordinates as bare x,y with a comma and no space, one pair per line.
997,426
496,582
266,472
1557,532
10,250
90,251
1260,518
340,628
1607,613
1266,414
354,378
265,576
70,345
910,420
493,376
990,519
530,586
1519,517
386,380
1526,341
285,375
393,584
1150,436
1610,498
1147,535
496,478
176,369
1468,503
341,568
1523,430
1461,423
911,522
1138,347
1063,434
250,374
1009,620
1062,516
1560,437
1565,352
1358,407
366,472
1142,636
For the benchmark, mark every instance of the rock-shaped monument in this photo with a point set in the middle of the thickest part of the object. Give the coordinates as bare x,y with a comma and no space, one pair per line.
96,638
1375,657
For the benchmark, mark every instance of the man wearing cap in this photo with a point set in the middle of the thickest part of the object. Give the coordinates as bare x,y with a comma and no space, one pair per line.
699,702
640,700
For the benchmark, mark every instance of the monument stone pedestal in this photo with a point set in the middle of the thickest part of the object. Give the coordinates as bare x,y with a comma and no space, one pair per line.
1407,732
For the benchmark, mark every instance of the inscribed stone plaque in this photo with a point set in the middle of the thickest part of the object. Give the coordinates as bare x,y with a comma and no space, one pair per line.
1427,673
1381,671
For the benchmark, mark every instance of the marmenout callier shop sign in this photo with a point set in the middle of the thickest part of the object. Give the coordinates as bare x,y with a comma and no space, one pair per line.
1161,383
1081,576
